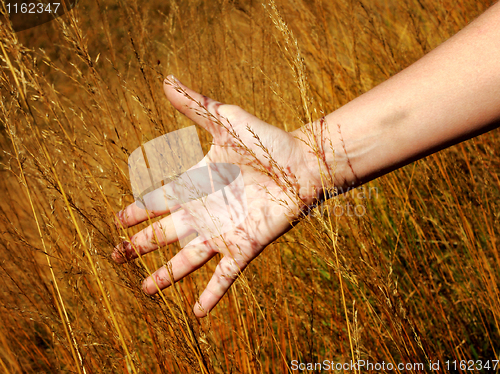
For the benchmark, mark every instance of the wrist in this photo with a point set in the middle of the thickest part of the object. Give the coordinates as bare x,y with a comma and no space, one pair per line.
324,165
347,148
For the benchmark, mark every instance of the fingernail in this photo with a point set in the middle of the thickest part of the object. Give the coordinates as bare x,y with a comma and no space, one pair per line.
199,311
172,79
117,257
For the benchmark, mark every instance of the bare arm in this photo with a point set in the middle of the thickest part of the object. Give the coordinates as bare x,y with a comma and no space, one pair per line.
449,95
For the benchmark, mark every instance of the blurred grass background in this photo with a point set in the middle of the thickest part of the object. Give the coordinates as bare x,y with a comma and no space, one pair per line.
419,268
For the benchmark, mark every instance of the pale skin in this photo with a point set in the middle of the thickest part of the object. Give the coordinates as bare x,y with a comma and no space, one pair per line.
449,95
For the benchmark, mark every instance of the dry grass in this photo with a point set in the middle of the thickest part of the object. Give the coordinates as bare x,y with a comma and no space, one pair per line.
419,270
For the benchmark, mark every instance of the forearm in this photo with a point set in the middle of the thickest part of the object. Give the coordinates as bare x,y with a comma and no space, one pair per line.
449,95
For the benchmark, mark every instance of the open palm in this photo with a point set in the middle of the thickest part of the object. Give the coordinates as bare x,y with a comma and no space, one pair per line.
272,167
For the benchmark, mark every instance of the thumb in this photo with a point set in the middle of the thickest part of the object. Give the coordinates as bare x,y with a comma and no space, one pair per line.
197,107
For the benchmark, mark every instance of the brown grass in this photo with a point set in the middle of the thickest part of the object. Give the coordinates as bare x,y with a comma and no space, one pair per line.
419,271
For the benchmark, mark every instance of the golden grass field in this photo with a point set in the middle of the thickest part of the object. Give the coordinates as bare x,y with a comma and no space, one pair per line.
419,270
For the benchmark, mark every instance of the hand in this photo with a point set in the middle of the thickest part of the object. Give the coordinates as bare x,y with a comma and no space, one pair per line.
272,164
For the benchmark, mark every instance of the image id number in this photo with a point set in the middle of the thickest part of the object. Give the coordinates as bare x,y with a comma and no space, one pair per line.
32,8
472,365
